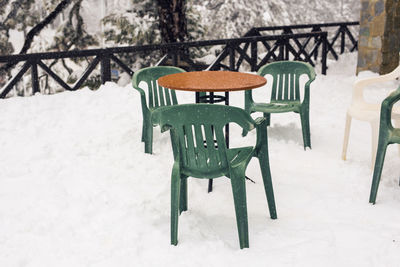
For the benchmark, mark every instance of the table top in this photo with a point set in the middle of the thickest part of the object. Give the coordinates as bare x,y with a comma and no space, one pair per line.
211,81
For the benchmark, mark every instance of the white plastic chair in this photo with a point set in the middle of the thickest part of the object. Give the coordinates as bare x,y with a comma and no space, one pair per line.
370,112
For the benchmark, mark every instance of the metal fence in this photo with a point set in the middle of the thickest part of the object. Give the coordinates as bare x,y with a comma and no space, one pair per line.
340,34
248,52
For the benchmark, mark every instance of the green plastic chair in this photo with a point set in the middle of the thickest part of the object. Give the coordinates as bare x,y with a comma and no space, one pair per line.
285,95
193,128
387,135
157,97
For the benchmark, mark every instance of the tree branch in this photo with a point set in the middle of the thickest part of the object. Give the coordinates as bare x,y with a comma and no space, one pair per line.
15,6
36,30
46,21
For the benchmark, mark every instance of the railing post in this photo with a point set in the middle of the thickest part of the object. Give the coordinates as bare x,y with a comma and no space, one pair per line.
34,78
175,58
316,29
231,57
324,37
342,40
105,70
281,48
287,40
253,52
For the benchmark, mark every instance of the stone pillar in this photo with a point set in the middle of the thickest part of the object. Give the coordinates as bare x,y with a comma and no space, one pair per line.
379,37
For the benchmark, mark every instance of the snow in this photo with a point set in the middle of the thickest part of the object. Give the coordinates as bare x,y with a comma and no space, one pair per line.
76,188
17,39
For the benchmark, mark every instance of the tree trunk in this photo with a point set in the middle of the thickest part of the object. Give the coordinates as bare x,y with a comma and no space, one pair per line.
172,20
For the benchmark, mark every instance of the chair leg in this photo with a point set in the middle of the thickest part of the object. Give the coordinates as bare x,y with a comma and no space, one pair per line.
397,125
143,130
266,175
239,196
346,136
380,158
183,195
148,143
305,127
374,141
175,197
267,117
210,185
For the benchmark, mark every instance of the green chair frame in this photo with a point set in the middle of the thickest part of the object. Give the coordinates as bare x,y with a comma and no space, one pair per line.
157,96
387,135
285,95
194,128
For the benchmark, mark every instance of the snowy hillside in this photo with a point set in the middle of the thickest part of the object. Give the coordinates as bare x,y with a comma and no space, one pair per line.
76,188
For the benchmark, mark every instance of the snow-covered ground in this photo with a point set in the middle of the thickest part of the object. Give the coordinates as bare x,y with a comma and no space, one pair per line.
76,188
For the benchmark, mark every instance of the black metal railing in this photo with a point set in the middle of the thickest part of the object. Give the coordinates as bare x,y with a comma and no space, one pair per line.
340,34
174,52
262,51
249,53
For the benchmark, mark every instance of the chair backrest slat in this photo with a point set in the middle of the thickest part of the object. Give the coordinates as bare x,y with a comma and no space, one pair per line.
291,86
153,87
297,88
150,95
200,150
287,87
192,158
173,97
274,86
161,95
211,151
280,87
181,137
167,96
222,161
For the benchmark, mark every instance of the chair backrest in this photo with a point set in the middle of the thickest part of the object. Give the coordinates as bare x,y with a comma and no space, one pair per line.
286,79
194,127
157,95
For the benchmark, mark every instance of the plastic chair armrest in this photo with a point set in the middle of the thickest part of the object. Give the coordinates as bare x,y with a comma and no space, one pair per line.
307,91
358,86
387,106
392,98
381,78
261,127
313,75
259,120
142,98
248,100
140,90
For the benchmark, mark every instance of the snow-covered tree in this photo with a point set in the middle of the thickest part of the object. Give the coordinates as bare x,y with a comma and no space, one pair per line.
143,24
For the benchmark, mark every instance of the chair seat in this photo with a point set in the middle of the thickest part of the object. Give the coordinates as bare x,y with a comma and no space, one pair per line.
240,155
235,156
276,107
364,114
370,113
395,137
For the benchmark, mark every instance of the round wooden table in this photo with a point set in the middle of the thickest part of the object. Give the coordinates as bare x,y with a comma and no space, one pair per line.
203,82
212,81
